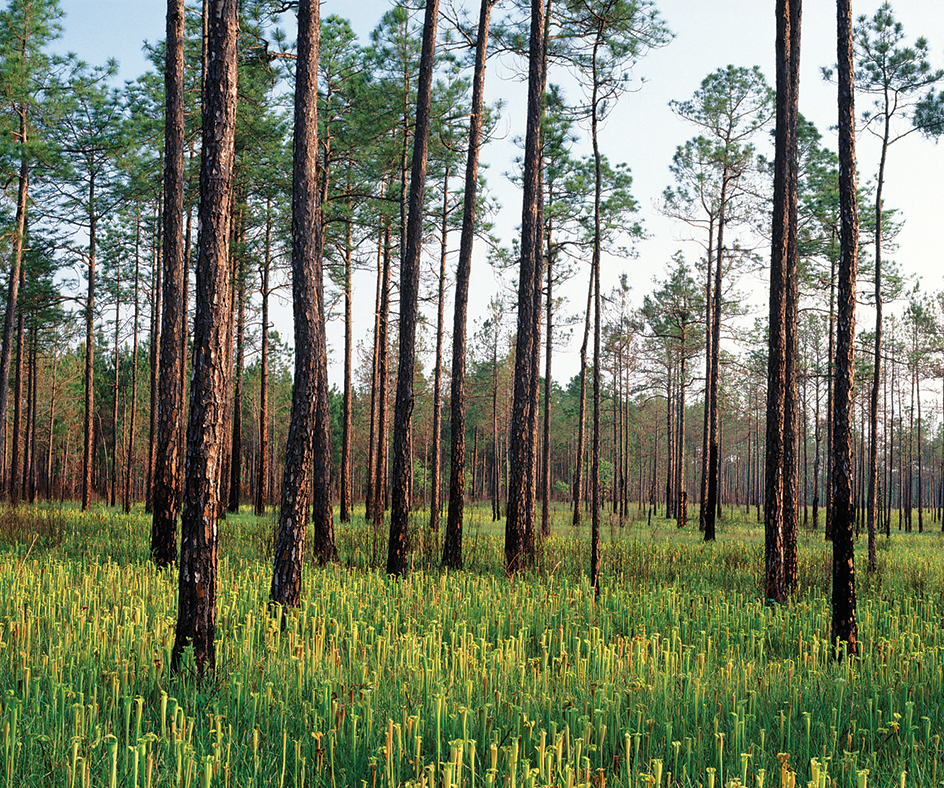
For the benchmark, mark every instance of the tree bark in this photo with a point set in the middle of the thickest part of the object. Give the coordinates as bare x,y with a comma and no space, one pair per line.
306,242
196,616
844,624
519,523
402,471
167,485
780,460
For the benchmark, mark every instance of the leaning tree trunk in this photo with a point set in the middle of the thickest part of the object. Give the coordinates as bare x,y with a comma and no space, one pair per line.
844,625
402,471
196,614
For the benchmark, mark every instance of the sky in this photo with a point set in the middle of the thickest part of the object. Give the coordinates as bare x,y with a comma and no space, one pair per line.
642,130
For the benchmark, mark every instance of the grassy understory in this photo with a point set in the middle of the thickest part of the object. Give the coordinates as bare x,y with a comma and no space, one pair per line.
675,675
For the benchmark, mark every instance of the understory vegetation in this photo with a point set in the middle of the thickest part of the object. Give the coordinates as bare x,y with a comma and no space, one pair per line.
675,674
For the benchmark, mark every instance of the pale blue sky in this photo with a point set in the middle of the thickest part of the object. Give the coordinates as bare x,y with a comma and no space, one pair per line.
642,131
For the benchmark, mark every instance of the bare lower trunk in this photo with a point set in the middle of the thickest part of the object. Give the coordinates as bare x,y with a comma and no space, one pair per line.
262,479
306,243
13,286
402,472
844,624
132,417
196,617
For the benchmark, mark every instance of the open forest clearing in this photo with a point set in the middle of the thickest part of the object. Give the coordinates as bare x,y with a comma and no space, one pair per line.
676,674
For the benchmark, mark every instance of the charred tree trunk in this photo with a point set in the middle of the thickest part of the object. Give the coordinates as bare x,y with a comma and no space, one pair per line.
844,624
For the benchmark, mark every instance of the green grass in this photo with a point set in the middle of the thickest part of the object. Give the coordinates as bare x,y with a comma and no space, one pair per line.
675,675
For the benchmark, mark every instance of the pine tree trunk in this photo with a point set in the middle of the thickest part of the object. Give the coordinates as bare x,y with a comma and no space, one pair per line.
780,511
156,305
380,470
791,456
168,470
347,424
711,498
548,384
132,417
434,493
370,494
17,411
236,450
577,490
113,487
206,436
306,242
402,472
11,313
262,479
89,430
844,624
703,494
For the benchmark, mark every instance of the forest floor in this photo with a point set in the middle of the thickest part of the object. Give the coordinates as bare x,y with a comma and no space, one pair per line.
675,674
